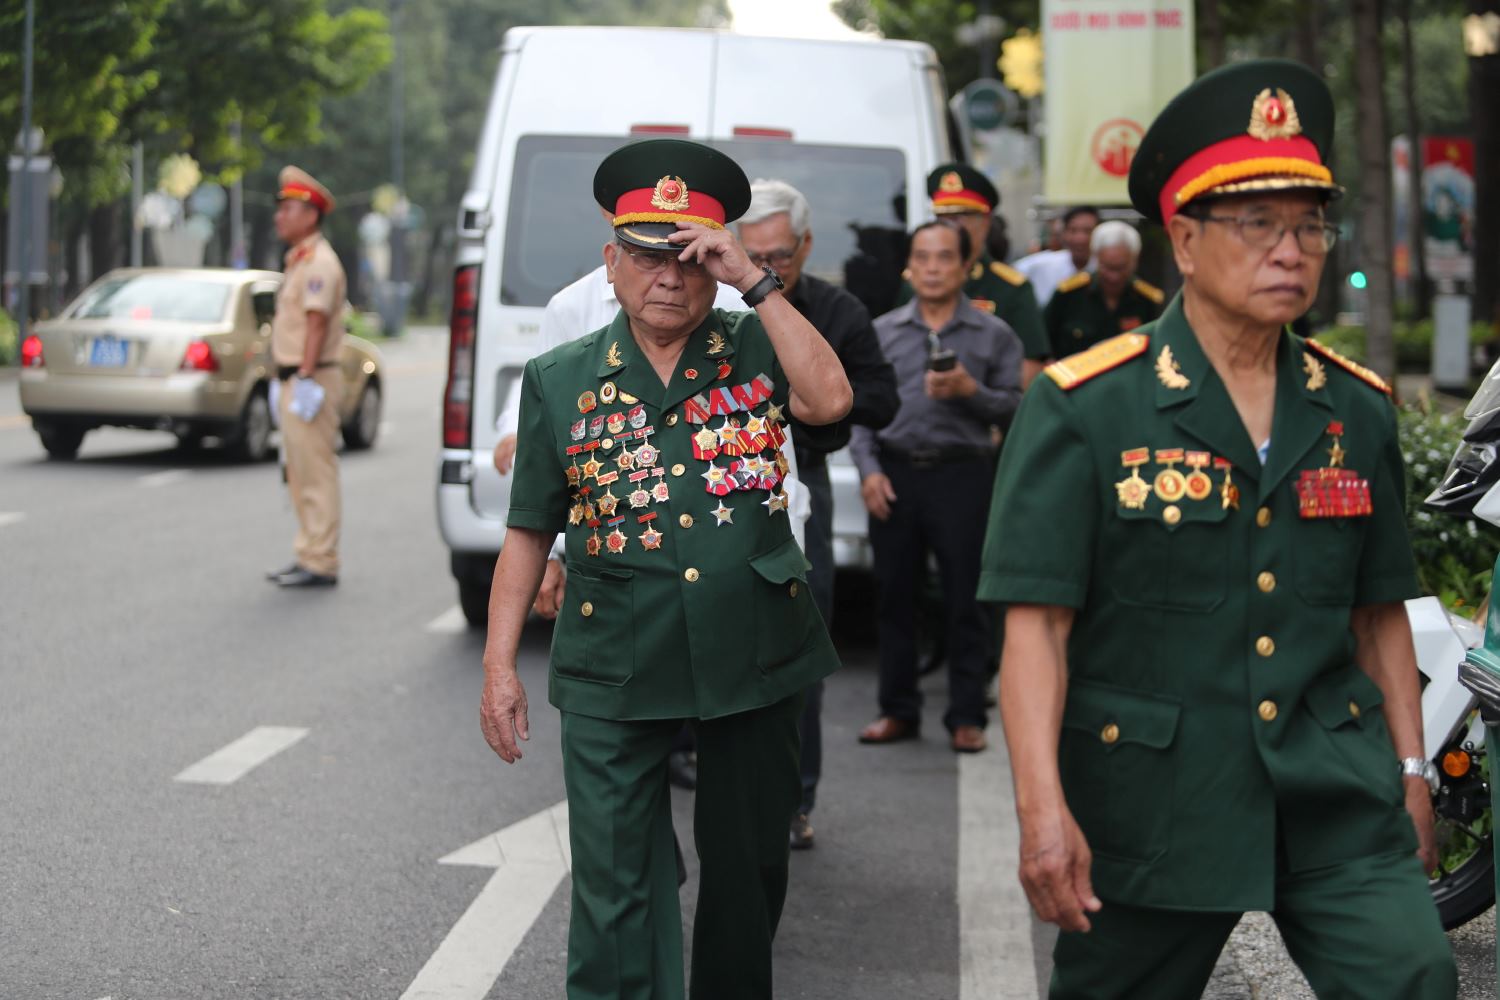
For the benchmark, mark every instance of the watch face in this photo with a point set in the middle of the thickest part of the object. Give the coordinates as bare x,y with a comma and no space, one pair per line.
771,272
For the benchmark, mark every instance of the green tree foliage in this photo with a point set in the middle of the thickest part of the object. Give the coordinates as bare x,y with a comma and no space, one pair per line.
936,23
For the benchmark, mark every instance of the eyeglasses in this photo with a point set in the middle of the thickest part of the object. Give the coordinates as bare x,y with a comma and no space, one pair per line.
775,258
648,262
1264,232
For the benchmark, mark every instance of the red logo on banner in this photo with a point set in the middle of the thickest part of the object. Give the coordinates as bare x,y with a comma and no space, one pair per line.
1114,145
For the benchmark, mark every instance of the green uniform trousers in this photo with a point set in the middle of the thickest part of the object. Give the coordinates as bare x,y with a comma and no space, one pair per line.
1363,930
625,937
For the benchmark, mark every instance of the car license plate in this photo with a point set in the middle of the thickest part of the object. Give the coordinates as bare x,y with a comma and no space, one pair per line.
109,352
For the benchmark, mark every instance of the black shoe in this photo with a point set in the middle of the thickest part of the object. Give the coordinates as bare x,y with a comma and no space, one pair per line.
300,577
802,833
682,769
275,574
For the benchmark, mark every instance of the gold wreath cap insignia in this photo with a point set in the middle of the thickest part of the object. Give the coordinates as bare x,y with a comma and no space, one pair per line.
670,195
1274,116
951,182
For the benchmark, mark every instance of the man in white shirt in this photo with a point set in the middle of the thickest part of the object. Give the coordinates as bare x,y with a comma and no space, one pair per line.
1050,268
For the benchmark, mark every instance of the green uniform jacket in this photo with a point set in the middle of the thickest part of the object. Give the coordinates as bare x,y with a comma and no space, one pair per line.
1077,317
1002,291
718,618
1214,710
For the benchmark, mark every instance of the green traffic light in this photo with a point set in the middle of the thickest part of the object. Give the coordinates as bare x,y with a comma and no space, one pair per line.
1357,280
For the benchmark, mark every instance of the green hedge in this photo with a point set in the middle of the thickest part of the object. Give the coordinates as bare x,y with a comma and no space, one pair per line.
1413,342
1455,556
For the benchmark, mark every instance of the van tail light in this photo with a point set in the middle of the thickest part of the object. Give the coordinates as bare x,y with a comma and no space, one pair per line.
199,358
31,352
644,129
458,394
760,132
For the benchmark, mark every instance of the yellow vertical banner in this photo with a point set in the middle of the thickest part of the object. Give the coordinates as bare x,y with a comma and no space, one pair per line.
1111,66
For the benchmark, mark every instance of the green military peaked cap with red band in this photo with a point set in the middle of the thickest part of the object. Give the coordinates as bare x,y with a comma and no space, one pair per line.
957,188
651,186
1264,125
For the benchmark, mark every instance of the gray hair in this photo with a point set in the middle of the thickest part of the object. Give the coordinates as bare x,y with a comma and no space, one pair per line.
1115,234
769,197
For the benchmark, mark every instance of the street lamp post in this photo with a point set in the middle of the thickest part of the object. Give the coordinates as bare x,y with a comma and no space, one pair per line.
24,199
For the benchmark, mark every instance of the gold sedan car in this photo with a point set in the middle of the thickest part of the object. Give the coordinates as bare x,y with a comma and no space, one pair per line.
186,350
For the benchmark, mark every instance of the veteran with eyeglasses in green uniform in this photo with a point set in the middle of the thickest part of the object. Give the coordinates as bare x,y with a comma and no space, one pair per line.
1208,685
654,445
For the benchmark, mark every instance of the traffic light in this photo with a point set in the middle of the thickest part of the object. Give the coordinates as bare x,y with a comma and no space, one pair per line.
1357,281
1020,63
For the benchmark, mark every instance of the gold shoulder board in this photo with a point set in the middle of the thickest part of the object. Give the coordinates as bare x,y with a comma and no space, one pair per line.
1148,290
1007,274
1079,280
1079,368
1359,371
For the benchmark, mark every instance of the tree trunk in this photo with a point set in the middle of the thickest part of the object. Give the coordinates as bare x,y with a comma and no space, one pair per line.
1210,34
105,244
1484,111
1373,143
1421,301
1305,37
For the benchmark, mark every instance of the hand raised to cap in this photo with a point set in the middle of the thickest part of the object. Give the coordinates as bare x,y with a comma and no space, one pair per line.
719,252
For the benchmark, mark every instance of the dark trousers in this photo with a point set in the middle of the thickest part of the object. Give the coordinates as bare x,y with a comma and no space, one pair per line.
625,934
942,509
818,546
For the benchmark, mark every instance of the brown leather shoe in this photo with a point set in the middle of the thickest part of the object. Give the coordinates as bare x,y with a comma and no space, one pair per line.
889,730
969,739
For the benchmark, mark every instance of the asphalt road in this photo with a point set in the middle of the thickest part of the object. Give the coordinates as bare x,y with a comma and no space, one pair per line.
138,639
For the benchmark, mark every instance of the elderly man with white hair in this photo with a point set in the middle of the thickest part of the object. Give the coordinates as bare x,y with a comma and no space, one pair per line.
776,231
1109,300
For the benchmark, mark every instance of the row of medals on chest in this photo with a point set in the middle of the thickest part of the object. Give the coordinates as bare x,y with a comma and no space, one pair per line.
1332,491
646,477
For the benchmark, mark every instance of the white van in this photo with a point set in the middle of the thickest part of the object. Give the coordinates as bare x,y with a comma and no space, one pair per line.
855,125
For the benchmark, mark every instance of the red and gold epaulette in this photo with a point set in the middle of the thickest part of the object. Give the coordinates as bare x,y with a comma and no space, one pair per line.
1007,274
1359,371
1148,290
1073,371
1075,281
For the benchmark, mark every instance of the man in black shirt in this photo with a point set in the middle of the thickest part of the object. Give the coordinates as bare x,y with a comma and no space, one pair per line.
775,231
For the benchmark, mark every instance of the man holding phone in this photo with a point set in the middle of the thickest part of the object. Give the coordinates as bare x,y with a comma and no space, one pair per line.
926,480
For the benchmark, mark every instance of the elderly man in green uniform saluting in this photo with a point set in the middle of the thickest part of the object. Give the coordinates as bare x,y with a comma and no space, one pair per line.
1208,686
966,197
654,445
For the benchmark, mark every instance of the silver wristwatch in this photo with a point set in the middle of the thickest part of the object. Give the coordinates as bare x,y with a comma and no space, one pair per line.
1421,767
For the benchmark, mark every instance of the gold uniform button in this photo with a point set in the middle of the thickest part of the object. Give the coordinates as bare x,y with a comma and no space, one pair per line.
792,590
678,469
587,609
1171,513
686,520
690,574
1266,582
1265,645
1263,517
1267,710
671,420
1110,733
1354,709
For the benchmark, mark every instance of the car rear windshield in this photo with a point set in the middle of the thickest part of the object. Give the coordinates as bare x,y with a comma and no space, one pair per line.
153,297
554,231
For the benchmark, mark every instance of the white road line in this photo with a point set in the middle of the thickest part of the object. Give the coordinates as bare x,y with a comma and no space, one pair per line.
11,517
994,918
450,622
530,859
233,762
164,478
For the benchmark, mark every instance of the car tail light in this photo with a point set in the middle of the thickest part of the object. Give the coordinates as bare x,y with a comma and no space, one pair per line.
200,358
31,352
458,394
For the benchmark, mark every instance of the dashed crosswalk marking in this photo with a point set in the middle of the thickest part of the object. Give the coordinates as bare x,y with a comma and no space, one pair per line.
450,622
231,763
166,477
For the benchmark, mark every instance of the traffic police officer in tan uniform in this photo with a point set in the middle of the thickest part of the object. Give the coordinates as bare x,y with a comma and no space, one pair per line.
966,197
1208,686
654,446
305,337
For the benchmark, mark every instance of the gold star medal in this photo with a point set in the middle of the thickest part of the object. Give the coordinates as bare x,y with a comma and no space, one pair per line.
1133,490
639,498
591,469
1229,494
608,502
1170,485
625,459
593,545
722,515
775,501
616,542
1336,453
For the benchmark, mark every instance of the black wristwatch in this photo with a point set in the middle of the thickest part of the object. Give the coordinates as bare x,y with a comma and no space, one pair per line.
765,286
